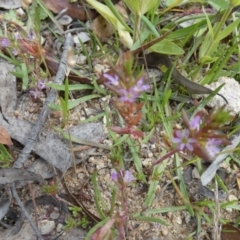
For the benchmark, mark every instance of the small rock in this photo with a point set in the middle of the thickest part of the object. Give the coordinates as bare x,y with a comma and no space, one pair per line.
147,162
59,227
153,146
150,155
230,90
46,226
195,173
231,198
164,230
187,216
54,215
177,220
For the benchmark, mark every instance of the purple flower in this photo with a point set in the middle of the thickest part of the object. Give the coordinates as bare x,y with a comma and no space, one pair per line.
212,146
31,35
140,87
41,85
114,175
183,141
195,123
128,177
4,42
112,80
128,95
35,93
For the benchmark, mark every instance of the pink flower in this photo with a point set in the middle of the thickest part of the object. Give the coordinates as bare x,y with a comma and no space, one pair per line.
113,80
195,123
129,95
128,177
140,87
212,146
183,141
41,84
114,175
4,42
35,93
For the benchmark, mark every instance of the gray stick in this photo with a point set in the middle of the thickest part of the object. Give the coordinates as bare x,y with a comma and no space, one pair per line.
45,109
20,204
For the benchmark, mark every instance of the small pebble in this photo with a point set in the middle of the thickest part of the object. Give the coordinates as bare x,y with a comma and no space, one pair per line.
59,227
164,230
46,227
231,198
150,155
54,215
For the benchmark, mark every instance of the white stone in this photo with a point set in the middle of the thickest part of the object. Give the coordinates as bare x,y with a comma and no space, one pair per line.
54,215
147,162
83,36
231,91
164,230
150,155
46,226
231,198
59,227
178,220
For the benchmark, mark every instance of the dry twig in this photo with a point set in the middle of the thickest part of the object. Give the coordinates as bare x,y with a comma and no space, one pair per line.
45,110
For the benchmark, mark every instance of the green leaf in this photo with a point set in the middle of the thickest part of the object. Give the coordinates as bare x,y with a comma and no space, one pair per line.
219,5
173,3
157,174
208,59
100,203
167,47
136,159
141,7
75,87
12,16
152,219
96,227
208,47
165,210
74,103
234,3
229,29
124,35
25,76
210,28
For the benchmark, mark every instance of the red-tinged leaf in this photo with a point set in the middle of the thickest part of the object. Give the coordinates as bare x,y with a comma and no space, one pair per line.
101,233
136,119
74,10
202,153
229,232
135,134
120,130
31,47
4,137
128,130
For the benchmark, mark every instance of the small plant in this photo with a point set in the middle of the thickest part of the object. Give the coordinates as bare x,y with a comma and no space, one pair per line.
78,219
201,136
5,157
120,215
129,88
51,189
